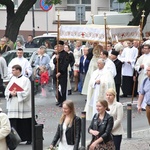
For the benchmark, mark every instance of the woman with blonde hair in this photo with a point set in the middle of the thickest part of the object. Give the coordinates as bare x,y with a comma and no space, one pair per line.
69,128
101,127
116,110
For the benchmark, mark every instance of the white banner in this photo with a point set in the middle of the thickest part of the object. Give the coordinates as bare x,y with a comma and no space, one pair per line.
97,33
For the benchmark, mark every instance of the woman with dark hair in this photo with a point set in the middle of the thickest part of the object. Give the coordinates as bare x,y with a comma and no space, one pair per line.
101,127
48,44
69,128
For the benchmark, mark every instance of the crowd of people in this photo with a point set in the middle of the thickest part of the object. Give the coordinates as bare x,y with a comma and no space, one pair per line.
104,73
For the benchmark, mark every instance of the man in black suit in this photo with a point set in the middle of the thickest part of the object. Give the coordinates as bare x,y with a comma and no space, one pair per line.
118,65
61,73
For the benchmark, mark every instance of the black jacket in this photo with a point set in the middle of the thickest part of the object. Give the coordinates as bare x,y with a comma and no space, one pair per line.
118,65
4,49
30,45
63,62
104,127
72,133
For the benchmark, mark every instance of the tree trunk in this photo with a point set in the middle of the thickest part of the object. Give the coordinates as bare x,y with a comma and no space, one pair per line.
136,20
14,20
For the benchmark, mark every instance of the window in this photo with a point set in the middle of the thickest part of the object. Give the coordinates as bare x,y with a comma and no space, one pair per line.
73,1
71,4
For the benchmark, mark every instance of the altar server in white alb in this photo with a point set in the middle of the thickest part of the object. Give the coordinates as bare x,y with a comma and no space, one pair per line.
101,80
19,103
23,62
109,64
128,59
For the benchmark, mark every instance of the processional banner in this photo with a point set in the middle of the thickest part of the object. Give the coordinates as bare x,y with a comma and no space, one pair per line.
97,32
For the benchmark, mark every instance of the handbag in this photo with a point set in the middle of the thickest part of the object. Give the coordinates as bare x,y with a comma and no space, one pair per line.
13,139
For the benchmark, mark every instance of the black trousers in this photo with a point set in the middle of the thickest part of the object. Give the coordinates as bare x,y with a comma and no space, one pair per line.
62,91
117,141
23,127
127,85
117,91
2,89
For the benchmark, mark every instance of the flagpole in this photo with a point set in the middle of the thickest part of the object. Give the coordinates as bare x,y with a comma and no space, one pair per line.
105,31
57,82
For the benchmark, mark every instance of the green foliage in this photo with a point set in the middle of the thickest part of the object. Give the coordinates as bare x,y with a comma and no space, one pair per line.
50,2
127,8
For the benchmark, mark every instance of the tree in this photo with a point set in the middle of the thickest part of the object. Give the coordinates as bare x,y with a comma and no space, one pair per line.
16,18
137,6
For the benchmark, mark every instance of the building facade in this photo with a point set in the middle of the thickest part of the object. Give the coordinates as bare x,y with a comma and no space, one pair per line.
47,21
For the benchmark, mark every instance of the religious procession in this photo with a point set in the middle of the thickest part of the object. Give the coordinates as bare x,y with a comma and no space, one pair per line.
105,63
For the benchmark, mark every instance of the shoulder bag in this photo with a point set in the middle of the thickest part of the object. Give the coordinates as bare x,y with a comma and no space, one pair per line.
13,139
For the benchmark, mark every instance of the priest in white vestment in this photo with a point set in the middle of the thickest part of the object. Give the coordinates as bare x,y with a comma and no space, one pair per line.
141,66
101,80
23,62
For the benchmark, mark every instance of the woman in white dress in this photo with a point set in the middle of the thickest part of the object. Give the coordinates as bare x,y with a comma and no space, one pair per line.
69,128
92,67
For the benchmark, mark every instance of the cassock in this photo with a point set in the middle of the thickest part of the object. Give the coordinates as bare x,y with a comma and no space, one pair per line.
19,107
63,62
128,55
97,91
142,60
24,63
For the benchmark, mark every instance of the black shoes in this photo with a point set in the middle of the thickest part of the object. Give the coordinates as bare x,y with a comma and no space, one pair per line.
123,95
69,92
60,105
28,143
57,103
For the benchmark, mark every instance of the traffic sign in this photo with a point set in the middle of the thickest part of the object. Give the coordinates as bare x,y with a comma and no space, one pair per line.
44,6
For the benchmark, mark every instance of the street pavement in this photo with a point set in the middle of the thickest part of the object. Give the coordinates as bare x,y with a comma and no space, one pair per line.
49,115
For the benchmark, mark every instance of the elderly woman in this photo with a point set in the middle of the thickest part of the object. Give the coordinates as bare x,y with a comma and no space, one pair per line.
4,130
101,127
116,110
